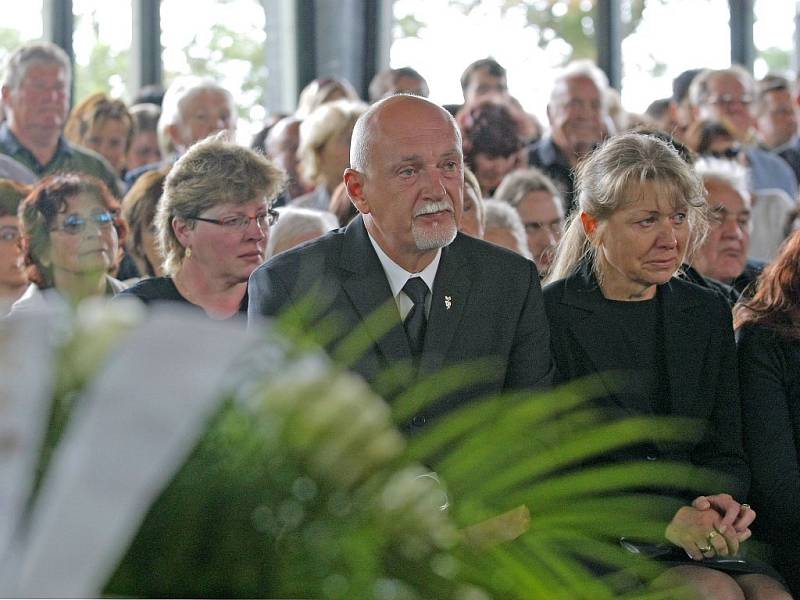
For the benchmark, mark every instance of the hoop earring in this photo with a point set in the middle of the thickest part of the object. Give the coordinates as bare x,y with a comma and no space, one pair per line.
188,253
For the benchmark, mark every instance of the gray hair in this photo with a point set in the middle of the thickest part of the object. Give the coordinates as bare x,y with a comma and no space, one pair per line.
214,171
500,215
699,89
580,69
328,121
727,172
363,132
178,93
40,52
518,184
609,179
295,222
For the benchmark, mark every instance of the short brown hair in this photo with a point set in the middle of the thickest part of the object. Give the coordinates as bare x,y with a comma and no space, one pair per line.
39,211
213,171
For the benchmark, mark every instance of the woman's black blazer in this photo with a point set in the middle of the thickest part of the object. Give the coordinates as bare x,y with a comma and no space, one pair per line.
701,368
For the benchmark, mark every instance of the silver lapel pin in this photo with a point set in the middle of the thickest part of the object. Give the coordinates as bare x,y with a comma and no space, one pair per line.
448,302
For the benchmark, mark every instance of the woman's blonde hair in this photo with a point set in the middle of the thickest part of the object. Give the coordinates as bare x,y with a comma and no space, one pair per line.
96,110
213,171
324,124
612,178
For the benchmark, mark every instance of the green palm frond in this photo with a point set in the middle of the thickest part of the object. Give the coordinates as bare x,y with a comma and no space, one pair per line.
303,486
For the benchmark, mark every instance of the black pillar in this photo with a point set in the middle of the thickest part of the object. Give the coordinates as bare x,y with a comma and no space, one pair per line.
58,23
146,49
609,41
742,19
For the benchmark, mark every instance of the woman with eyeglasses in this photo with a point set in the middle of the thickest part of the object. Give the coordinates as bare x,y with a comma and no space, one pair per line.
71,234
212,227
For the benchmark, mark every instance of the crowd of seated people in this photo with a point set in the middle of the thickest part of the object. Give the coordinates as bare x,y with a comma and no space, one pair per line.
643,246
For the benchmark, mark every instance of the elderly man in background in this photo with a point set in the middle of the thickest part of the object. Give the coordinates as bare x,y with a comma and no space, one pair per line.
727,95
536,200
578,122
723,255
193,109
35,93
776,122
446,299
504,227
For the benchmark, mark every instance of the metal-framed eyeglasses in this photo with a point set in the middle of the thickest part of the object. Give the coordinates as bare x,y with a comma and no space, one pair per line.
242,222
75,223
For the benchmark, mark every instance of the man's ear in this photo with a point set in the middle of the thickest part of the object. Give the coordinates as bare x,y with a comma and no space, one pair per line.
174,134
354,182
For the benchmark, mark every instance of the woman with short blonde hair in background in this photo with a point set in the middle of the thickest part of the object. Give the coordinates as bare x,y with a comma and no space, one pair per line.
324,150
104,125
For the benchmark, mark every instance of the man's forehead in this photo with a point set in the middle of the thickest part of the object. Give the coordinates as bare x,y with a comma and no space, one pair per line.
42,70
726,81
417,141
574,87
406,120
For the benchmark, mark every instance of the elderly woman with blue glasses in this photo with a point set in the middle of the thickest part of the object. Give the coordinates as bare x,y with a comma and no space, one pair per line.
71,236
213,224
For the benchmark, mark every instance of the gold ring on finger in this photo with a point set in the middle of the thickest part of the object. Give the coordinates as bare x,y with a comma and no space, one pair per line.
744,508
704,549
711,536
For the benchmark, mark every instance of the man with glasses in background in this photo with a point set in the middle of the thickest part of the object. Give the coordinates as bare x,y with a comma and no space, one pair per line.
727,95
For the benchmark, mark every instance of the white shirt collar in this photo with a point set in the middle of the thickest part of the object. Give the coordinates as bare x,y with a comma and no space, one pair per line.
398,276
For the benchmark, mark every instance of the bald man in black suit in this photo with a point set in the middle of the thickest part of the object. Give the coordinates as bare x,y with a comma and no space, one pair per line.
457,299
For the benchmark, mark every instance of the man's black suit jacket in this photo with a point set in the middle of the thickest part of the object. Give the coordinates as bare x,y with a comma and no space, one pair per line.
701,368
486,303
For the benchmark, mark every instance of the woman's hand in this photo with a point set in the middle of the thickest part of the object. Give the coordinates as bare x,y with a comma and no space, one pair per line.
735,515
701,534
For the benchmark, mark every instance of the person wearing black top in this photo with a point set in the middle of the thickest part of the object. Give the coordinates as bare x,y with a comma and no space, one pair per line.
213,225
768,335
614,304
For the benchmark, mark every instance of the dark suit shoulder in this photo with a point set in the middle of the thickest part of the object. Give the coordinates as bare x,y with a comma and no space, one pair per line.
490,253
493,268
295,266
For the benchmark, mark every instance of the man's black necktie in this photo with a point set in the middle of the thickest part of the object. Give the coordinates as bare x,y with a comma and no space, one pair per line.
415,322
